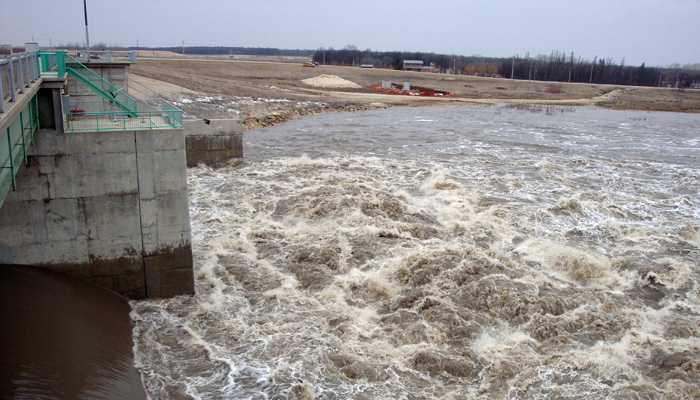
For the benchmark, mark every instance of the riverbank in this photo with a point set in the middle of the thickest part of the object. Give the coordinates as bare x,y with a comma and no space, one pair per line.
267,93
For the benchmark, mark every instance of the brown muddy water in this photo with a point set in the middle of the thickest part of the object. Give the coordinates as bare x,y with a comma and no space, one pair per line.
64,338
441,253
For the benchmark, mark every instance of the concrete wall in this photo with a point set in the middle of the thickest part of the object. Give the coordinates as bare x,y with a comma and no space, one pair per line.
213,143
109,207
82,97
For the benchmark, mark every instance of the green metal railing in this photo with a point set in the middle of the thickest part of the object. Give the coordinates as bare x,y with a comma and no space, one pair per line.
59,64
100,85
14,142
128,114
172,111
167,117
48,64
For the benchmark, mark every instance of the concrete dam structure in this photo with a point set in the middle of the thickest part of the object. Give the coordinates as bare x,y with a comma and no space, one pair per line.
93,182
93,210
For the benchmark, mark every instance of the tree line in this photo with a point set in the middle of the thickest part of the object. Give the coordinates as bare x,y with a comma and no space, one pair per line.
558,66
228,50
199,50
95,46
350,55
561,67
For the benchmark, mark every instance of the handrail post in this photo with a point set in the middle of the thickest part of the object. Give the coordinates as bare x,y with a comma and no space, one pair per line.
27,68
31,119
35,117
2,96
43,62
24,144
20,72
13,98
12,165
61,63
33,65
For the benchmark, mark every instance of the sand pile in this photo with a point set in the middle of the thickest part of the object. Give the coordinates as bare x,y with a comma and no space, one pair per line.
331,81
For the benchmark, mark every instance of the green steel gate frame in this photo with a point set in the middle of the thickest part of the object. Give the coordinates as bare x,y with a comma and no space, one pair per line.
19,135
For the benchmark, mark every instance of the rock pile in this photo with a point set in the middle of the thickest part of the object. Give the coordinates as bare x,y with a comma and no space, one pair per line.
261,121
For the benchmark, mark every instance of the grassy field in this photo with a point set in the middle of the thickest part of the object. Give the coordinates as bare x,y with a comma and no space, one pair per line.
273,91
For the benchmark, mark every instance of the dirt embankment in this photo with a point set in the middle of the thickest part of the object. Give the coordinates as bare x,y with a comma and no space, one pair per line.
266,93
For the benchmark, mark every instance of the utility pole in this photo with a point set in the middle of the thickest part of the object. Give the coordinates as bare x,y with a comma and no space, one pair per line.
592,66
183,47
87,36
512,69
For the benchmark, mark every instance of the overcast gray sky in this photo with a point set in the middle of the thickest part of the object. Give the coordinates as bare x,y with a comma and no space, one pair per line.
657,32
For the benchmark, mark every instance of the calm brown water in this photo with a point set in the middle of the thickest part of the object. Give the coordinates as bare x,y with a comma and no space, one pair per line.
441,253
64,338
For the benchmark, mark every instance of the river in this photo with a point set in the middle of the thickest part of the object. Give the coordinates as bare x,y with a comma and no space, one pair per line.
486,252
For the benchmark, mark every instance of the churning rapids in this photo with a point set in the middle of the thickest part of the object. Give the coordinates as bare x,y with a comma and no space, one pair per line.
487,252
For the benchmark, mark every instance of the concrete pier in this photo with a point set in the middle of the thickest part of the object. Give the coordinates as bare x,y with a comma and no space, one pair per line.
212,142
109,207
106,203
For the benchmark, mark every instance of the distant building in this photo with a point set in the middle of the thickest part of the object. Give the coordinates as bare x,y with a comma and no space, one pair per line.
413,65
416,65
31,46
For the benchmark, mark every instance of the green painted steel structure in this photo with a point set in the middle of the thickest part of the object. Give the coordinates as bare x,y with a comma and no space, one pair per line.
100,86
167,116
59,64
14,142
131,116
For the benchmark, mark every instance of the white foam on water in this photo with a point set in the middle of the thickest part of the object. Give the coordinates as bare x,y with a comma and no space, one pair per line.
485,262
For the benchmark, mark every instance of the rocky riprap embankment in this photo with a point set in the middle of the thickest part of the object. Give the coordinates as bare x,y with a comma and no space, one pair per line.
276,117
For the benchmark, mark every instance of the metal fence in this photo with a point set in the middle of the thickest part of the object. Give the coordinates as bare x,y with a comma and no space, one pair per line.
16,73
107,56
14,142
152,114
83,72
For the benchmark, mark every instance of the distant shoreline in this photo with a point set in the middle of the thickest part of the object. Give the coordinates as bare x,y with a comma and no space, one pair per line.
269,92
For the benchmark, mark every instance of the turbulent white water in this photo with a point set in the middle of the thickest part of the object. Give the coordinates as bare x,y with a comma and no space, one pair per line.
441,253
